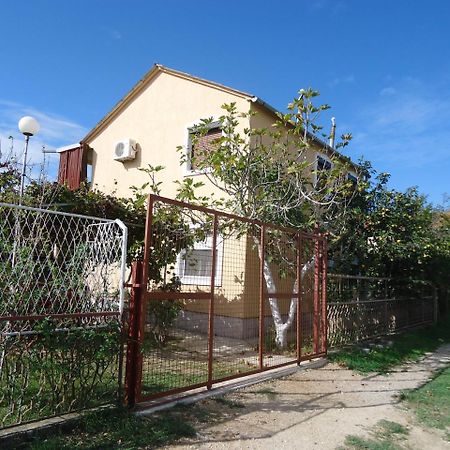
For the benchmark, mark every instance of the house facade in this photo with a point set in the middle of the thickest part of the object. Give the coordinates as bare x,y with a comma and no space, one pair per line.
146,127
155,117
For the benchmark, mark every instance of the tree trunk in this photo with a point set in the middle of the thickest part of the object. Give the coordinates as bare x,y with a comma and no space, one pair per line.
281,328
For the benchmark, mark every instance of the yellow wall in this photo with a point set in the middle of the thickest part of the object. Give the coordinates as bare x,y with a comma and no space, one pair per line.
265,119
157,119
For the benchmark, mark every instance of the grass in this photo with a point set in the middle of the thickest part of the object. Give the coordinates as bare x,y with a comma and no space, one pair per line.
118,429
431,402
386,435
184,373
409,346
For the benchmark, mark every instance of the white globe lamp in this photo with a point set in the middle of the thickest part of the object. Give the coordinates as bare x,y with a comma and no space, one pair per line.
28,126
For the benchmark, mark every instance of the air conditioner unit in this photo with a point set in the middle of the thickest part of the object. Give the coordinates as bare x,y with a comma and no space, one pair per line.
125,150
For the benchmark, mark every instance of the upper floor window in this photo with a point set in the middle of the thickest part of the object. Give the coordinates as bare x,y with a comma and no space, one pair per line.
201,143
351,176
323,163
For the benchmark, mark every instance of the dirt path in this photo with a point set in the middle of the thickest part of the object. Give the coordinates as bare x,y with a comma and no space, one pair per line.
318,408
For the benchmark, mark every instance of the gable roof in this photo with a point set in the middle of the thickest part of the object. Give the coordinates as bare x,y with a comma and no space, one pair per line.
157,69
143,83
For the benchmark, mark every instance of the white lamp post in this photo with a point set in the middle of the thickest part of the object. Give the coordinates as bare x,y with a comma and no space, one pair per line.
28,126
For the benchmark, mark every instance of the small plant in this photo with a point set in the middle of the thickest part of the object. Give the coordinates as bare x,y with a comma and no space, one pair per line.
60,367
386,435
161,314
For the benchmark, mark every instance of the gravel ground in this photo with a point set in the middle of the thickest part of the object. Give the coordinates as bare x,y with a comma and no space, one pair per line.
318,408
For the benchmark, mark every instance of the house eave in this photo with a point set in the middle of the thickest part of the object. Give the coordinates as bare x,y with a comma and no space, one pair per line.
317,140
157,69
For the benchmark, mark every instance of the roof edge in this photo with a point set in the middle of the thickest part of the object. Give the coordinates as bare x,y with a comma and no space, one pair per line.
143,82
122,103
159,68
312,136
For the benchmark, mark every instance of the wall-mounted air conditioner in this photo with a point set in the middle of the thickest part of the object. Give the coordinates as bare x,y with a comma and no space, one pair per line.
125,150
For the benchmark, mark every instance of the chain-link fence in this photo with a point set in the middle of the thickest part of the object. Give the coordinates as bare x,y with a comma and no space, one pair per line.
365,307
61,298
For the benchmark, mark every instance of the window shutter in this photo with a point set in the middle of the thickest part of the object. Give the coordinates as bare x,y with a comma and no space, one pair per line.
203,144
73,166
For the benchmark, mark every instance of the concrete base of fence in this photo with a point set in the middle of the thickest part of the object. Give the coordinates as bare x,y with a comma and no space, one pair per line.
185,398
14,437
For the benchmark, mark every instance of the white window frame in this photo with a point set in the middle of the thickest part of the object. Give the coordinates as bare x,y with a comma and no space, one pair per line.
188,171
199,280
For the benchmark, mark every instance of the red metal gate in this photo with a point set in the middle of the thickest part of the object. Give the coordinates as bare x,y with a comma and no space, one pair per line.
218,296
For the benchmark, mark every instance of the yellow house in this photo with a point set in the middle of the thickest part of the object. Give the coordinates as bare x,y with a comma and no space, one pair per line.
145,127
149,123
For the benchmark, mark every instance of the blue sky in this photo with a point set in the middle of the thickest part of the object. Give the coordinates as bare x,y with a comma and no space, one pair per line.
383,66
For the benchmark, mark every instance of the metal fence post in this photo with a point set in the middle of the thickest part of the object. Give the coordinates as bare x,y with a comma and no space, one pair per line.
316,291
435,306
134,321
211,304
324,324
261,296
299,297
386,316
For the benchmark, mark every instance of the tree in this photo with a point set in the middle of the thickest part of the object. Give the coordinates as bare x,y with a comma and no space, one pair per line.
394,234
266,175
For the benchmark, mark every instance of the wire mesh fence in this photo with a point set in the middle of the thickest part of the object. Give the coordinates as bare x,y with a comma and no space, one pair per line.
364,307
226,297
61,297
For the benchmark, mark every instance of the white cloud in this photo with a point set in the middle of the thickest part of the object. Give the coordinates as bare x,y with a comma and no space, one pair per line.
55,131
408,129
115,34
341,80
388,91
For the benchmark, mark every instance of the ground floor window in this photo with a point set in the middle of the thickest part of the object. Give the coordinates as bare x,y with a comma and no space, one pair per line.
194,266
